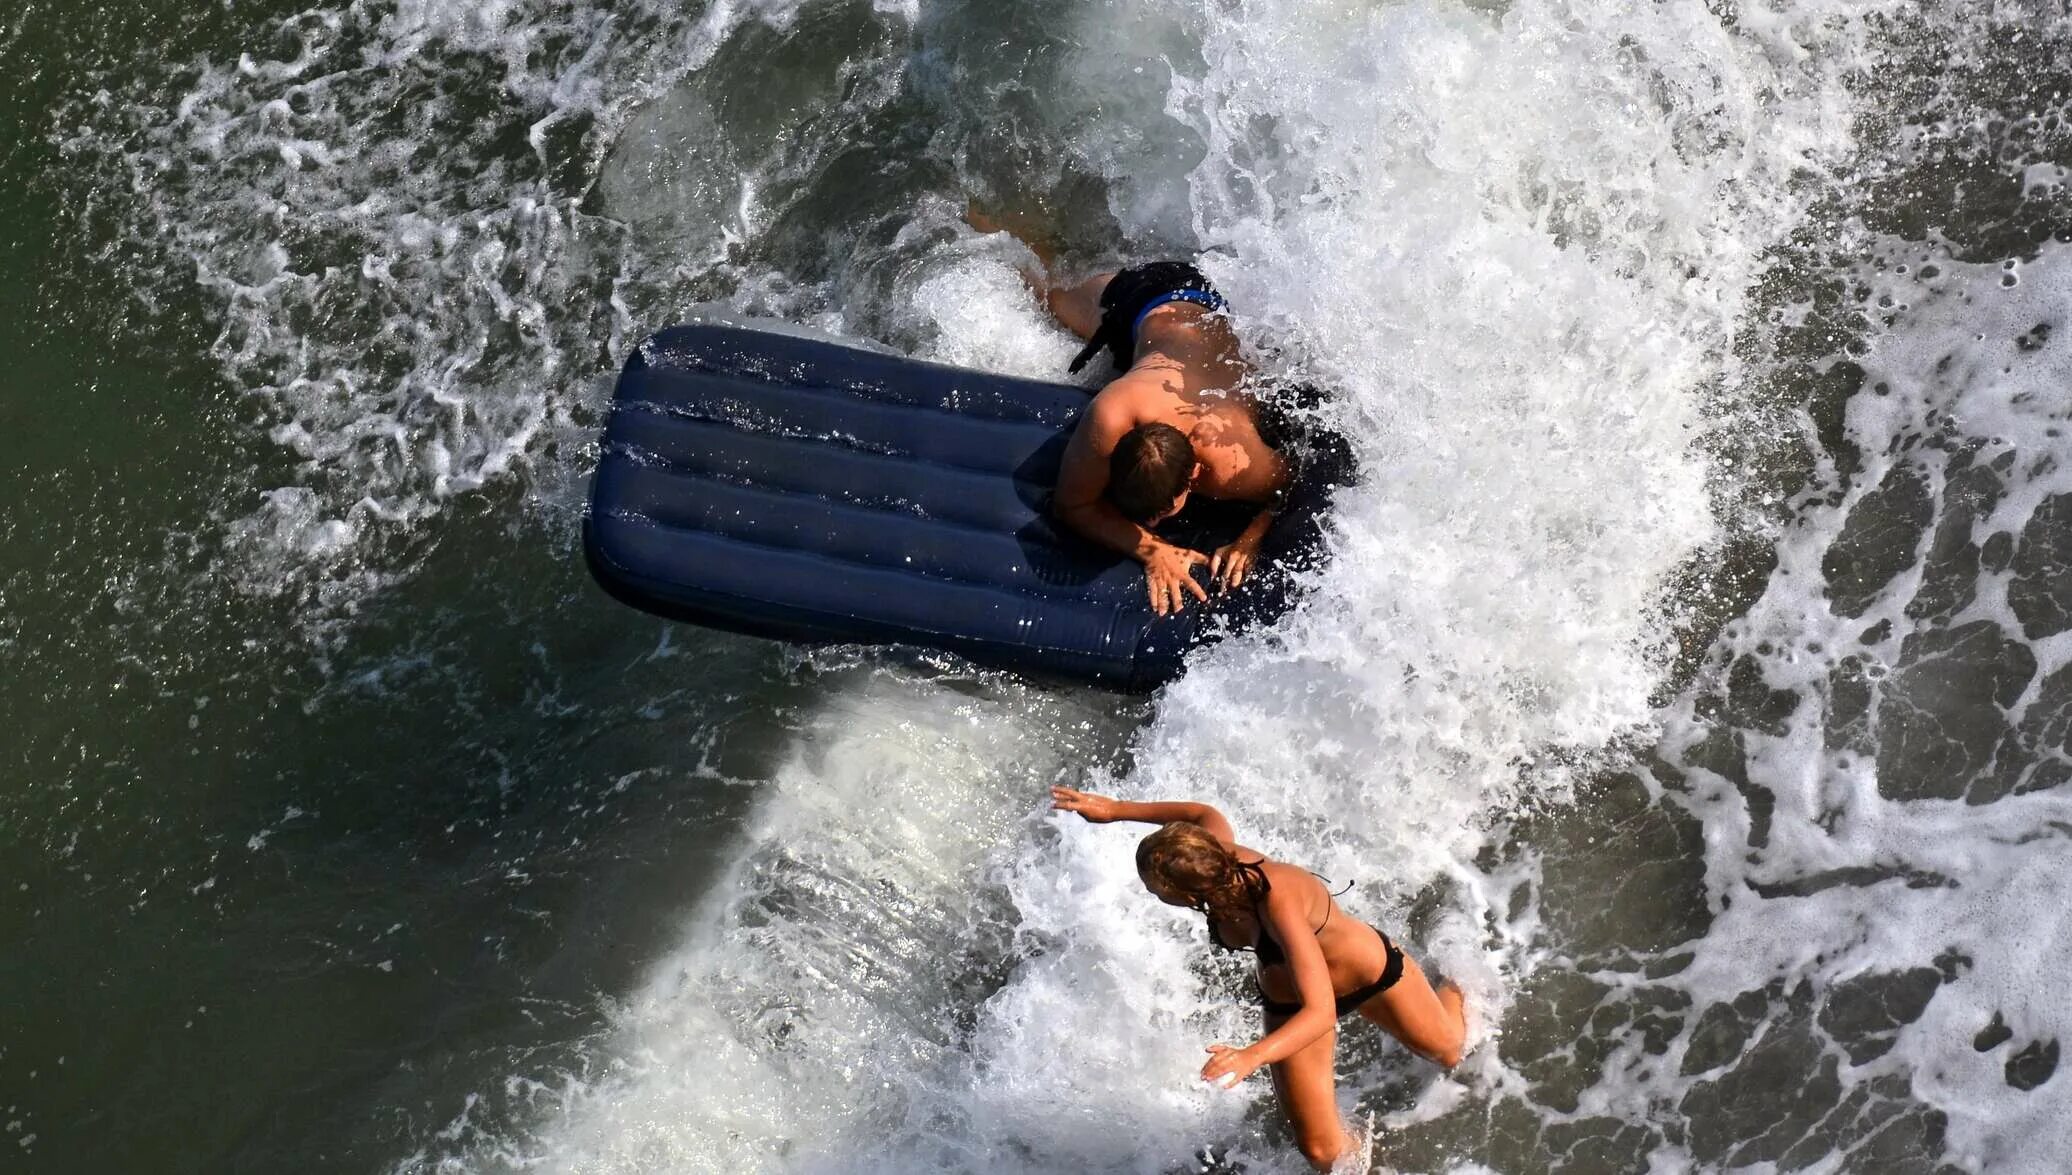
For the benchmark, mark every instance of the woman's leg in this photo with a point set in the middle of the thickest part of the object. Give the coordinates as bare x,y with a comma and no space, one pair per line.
1430,1023
1307,1086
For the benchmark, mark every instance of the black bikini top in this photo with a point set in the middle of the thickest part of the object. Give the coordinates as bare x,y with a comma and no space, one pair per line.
1269,949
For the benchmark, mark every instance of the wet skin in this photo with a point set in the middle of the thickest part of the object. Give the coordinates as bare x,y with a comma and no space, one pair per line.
1187,373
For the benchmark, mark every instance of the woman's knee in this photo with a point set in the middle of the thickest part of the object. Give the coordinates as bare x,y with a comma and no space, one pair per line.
1433,1026
1453,1038
1441,1040
1321,1147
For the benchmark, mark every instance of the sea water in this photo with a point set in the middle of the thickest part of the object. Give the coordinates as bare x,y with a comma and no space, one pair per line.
1687,680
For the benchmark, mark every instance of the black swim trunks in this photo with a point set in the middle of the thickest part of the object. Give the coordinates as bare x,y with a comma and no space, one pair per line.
1136,292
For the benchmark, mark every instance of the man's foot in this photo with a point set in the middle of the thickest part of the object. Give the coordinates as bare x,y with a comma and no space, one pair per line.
978,218
1028,228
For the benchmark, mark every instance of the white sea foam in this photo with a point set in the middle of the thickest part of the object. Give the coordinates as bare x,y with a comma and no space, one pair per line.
973,309
385,202
816,1001
1497,241
1885,853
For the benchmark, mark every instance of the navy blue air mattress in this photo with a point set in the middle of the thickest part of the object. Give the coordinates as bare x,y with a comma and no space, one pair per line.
809,491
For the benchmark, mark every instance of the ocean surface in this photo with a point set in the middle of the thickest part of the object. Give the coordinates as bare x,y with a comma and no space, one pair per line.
1691,677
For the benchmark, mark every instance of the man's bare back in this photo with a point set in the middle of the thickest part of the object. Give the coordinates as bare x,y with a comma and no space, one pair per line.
1185,380
1188,375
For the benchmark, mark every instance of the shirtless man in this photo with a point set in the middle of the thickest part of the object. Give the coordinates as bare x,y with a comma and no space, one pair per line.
1175,423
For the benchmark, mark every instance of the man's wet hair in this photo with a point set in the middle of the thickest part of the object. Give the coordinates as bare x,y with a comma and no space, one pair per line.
1149,468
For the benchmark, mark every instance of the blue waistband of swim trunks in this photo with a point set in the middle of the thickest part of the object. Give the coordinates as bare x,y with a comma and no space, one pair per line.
1208,298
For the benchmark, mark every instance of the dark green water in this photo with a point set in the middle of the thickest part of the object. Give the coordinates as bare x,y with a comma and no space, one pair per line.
273,905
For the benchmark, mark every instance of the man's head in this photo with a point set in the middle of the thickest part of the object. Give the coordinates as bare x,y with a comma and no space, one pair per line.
1149,473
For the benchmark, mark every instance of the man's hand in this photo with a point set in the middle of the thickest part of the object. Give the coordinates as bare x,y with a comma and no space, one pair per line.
1091,808
1230,564
1169,571
1228,1067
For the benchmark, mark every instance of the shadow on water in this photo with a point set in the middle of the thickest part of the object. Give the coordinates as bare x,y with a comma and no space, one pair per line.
369,883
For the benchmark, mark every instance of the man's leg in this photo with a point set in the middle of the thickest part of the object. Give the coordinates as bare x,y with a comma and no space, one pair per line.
1077,307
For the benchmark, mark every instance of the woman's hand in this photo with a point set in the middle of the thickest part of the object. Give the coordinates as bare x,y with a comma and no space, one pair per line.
1092,808
1228,1067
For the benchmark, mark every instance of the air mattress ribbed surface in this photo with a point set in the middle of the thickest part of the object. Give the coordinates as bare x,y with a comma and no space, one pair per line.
809,491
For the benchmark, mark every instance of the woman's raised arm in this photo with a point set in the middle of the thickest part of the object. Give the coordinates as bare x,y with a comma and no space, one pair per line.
1099,809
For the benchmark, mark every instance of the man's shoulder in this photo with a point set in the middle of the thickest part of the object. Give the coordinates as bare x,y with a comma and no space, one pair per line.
1120,406
1144,395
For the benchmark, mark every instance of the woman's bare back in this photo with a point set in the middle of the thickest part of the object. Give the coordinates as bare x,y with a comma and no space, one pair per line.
1353,950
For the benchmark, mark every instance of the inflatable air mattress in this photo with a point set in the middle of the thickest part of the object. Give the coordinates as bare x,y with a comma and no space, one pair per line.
805,490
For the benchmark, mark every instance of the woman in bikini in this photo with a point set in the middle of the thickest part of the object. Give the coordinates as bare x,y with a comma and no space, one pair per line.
1316,963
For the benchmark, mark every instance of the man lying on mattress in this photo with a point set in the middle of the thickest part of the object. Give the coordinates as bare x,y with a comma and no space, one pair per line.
1176,422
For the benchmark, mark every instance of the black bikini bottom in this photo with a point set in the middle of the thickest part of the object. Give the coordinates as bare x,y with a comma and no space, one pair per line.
1350,1002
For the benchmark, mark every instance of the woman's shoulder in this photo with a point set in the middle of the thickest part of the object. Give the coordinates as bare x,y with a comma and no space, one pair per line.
1247,855
1281,877
1285,878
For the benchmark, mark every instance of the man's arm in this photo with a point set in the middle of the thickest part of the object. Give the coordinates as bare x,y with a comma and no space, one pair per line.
1233,561
1080,503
